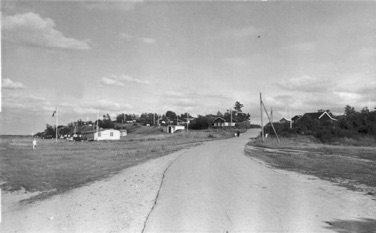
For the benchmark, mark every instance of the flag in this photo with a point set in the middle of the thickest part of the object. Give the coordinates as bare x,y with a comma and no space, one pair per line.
53,114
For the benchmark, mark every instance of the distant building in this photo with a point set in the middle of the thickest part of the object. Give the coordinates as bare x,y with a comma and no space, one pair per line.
296,118
221,122
123,132
172,128
322,116
102,134
284,120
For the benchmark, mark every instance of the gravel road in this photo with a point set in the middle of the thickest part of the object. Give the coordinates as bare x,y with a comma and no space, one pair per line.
216,188
209,188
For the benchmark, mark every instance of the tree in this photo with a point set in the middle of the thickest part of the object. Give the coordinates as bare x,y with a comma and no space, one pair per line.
349,110
219,114
238,106
106,123
201,122
365,110
171,115
49,130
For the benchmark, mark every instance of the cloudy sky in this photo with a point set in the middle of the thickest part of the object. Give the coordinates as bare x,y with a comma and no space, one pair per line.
194,57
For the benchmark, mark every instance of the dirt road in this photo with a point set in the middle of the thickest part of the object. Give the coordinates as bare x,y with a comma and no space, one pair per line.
216,188
210,188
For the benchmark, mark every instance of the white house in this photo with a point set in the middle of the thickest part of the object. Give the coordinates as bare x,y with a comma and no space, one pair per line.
102,134
220,122
123,132
173,128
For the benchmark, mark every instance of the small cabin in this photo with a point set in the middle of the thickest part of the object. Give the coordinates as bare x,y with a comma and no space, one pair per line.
102,134
173,128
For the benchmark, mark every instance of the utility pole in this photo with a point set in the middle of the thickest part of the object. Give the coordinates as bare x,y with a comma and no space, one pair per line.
262,126
290,120
187,121
57,120
271,123
97,126
271,114
230,117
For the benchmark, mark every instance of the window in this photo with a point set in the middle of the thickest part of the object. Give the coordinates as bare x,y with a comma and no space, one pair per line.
111,134
99,134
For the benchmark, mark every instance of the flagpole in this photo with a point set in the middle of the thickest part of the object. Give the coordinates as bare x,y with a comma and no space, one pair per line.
57,119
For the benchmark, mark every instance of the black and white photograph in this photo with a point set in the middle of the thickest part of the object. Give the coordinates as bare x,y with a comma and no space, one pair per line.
188,116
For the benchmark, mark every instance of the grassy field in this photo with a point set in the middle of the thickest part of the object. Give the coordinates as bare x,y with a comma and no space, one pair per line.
351,166
58,167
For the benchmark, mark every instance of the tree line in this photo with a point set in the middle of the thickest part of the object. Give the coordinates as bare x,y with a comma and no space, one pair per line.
152,119
352,124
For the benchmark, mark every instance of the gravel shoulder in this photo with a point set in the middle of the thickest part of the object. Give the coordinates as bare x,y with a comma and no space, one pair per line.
118,204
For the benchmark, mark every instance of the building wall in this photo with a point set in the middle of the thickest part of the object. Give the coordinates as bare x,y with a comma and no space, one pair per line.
109,134
173,128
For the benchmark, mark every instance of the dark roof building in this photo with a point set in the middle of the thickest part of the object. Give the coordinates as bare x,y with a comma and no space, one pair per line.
284,120
322,116
296,118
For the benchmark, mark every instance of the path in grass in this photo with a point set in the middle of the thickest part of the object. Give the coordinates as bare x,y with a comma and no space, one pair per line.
216,188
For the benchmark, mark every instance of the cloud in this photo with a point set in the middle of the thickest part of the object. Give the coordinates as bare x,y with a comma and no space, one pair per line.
104,5
121,80
25,102
126,36
236,61
111,82
33,30
102,105
148,40
302,47
145,40
306,83
9,84
241,33
244,32
133,80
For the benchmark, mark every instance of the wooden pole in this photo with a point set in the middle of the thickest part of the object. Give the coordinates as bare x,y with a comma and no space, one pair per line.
271,123
290,120
271,114
262,125
57,121
97,126
231,117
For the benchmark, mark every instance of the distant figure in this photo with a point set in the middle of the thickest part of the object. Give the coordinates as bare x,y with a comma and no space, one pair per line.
34,143
238,133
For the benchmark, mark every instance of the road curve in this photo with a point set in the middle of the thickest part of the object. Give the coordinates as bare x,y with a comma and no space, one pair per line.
216,188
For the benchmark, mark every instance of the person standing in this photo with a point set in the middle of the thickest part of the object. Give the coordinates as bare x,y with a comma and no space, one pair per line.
34,144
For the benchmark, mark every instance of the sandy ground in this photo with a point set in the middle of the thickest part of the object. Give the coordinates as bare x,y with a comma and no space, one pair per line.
210,188
118,204
215,188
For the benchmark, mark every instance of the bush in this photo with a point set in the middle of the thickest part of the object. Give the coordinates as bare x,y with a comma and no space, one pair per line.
201,123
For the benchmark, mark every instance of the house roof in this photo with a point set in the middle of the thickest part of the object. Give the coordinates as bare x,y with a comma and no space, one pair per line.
284,119
219,119
99,130
296,117
318,115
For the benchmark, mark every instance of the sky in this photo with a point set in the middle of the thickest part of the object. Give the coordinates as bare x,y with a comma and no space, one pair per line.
198,57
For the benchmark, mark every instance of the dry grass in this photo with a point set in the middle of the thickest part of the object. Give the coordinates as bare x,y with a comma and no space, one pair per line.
58,167
351,166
